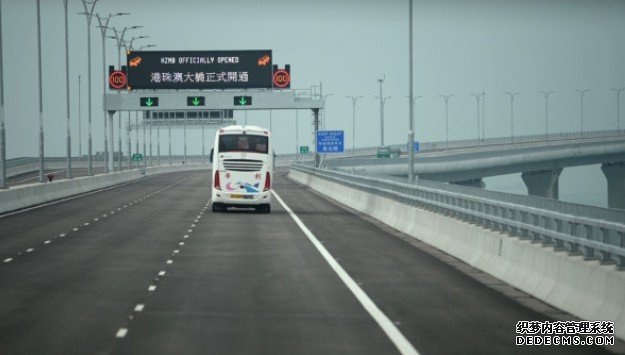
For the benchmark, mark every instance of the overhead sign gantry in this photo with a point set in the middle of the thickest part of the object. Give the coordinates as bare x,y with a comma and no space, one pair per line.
204,80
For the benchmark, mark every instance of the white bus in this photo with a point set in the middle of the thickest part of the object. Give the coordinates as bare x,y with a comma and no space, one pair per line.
242,160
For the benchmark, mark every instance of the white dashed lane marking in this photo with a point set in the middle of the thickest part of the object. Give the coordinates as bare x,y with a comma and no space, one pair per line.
152,287
121,332
112,212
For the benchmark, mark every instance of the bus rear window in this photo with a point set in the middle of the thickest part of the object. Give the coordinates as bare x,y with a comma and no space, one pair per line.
243,143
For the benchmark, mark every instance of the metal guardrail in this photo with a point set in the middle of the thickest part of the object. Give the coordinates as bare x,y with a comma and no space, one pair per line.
593,238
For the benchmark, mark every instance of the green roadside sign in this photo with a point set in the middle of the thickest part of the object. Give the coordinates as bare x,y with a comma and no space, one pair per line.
137,157
303,149
242,101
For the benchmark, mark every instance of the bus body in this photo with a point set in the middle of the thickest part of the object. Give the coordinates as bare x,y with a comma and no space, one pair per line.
242,160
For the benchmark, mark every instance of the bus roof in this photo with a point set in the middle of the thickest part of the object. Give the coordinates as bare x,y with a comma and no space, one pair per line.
243,128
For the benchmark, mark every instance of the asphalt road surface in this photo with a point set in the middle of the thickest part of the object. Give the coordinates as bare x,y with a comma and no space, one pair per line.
147,268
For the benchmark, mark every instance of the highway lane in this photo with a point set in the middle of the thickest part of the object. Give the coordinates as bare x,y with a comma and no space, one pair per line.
69,297
31,229
165,276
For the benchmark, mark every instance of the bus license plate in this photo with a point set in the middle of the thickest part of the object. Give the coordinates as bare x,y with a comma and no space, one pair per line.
241,197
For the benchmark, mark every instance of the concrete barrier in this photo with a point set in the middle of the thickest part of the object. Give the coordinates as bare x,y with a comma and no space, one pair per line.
586,289
23,196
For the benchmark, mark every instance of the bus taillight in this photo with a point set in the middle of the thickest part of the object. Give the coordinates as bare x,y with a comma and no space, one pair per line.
216,182
267,182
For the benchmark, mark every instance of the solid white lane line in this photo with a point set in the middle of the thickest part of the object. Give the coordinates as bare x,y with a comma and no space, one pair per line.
121,332
402,344
139,307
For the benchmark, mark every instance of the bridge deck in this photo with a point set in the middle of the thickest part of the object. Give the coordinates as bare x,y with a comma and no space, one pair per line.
240,283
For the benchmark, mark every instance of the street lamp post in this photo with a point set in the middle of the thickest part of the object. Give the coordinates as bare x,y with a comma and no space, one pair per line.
478,97
512,95
184,127
145,152
89,6
119,38
137,135
169,138
103,23
68,134
41,146
618,107
79,117
483,113
3,155
446,98
582,93
546,94
382,101
411,135
411,176
354,100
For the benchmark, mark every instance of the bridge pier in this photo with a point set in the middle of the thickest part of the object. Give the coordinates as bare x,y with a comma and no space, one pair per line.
476,183
543,183
615,174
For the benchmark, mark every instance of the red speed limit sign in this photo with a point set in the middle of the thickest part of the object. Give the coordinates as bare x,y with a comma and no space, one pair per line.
118,80
281,78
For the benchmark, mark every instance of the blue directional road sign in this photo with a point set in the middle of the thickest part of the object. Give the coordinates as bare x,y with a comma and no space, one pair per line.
330,142
416,146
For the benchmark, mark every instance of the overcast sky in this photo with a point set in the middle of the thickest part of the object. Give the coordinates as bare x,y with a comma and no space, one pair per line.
460,47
